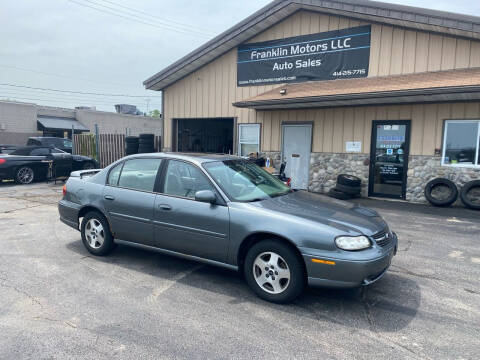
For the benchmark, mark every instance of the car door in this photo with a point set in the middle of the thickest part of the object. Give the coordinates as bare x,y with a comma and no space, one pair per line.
129,199
187,226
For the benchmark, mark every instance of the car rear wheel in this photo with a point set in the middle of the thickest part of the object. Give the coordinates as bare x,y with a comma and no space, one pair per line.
274,271
96,235
24,175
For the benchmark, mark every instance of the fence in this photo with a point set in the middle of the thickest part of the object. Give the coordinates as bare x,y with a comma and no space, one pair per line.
111,147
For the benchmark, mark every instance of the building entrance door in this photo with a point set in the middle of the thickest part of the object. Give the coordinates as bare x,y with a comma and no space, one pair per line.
389,159
297,144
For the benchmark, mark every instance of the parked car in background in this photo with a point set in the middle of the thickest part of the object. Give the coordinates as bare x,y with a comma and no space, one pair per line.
30,163
227,211
56,142
7,149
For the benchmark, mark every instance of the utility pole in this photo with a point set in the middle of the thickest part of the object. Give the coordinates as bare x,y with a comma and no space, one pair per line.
148,105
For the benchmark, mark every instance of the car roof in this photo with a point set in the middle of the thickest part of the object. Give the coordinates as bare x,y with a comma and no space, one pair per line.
198,158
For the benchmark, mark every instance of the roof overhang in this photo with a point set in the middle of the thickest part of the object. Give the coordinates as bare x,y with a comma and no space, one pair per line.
429,95
399,15
55,123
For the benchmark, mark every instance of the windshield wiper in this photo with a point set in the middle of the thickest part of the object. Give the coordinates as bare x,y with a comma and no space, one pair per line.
257,199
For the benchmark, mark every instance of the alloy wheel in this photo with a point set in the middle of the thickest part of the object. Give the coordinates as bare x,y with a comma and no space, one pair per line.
271,272
94,233
25,175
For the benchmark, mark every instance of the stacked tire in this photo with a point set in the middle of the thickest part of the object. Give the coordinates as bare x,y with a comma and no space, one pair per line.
146,143
347,187
131,145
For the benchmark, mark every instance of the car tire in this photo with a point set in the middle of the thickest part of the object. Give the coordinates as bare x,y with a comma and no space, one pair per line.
285,279
24,175
349,180
350,190
466,193
96,235
448,199
337,194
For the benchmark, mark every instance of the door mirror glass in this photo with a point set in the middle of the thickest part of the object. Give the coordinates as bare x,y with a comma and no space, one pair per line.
207,196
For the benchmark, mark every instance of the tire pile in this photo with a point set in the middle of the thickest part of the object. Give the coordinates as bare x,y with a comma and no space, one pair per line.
131,145
347,187
443,192
146,143
143,144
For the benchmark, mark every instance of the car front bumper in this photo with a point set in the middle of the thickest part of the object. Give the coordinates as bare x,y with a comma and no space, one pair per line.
349,273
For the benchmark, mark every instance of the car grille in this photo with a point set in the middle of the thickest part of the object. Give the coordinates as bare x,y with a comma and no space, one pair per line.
383,238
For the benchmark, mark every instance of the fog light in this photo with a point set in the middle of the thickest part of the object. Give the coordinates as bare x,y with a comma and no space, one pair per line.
352,243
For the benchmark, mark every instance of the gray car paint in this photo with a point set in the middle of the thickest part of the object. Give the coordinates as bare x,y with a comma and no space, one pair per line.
215,232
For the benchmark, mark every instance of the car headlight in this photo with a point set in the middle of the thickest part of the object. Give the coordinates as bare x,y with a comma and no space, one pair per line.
352,243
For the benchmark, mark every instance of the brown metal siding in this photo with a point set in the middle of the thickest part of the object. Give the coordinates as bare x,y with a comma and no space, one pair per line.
211,90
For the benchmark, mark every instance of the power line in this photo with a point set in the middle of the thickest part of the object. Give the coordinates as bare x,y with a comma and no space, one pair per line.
74,96
118,14
73,100
59,75
156,18
77,92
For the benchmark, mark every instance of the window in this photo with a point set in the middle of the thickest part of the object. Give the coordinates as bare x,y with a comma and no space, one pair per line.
139,174
184,180
461,144
40,152
248,139
114,175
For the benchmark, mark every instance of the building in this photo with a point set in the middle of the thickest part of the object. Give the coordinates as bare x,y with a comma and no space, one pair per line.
386,92
19,121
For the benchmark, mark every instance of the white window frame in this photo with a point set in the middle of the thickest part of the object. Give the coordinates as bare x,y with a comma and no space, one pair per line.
444,150
240,142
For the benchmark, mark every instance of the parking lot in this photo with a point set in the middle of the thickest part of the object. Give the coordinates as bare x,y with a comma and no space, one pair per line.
57,301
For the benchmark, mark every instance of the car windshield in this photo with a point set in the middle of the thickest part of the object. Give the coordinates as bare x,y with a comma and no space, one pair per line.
244,181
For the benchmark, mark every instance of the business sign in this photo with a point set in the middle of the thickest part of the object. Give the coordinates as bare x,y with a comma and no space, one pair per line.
330,55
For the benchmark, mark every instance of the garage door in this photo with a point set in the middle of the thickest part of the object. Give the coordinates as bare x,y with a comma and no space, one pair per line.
212,135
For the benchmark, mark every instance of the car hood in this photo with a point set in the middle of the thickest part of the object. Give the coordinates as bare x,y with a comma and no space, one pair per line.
341,215
82,158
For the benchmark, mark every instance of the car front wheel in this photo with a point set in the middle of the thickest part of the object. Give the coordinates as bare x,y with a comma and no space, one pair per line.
274,271
96,235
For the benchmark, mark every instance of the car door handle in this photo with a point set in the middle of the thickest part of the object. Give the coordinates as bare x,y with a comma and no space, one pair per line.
109,197
164,207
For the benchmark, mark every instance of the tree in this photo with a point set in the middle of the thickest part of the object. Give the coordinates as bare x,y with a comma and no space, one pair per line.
155,113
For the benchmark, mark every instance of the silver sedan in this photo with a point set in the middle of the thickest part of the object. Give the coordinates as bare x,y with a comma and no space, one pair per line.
226,211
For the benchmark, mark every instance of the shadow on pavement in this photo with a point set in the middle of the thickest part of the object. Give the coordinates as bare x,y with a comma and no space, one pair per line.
388,305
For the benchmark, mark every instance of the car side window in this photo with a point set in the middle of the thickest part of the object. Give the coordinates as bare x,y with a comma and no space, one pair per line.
40,152
114,175
184,180
139,174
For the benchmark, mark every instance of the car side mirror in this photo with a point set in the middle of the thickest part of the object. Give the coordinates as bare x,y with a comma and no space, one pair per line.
206,196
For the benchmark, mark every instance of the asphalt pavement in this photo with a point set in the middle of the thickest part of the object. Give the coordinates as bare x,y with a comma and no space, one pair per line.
59,302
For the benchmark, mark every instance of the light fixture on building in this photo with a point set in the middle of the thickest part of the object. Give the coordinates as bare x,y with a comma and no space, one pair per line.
283,91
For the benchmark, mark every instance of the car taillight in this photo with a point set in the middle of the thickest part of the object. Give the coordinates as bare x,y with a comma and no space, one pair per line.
64,190
289,182
2,161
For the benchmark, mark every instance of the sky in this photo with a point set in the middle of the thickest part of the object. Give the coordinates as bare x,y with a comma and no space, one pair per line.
99,49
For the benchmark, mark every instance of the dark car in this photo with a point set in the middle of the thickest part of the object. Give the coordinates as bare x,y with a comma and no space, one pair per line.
30,163
227,211
56,142
7,149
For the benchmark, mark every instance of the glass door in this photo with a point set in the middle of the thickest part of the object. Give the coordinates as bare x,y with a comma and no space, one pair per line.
389,159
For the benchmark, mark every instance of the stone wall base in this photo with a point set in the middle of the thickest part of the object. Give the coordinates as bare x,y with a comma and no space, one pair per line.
325,167
422,169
